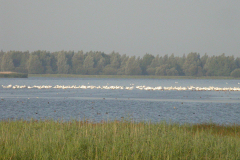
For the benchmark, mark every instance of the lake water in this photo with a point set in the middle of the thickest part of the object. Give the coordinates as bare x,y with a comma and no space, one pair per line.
222,107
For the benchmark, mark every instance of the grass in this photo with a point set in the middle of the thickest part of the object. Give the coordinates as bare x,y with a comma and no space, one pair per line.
50,139
129,76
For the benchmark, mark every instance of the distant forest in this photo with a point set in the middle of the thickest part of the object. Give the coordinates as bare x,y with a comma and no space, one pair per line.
99,63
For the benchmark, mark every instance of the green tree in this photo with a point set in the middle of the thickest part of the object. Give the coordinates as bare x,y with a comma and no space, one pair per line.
47,65
191,64
151,69
145,62
200,71
88,62
46,60
77,63
155,62
172,72
133,67
219,65
63,67
88,65
203,62
161,71
115,62
236,73
122,69
108,70
174,63
35,65
211,66
115,59
1,56
237,62
53,62
229,65
69,56
164,60
101,65
180,62
7,62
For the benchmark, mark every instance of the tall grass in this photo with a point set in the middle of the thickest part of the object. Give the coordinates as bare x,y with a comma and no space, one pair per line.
50,139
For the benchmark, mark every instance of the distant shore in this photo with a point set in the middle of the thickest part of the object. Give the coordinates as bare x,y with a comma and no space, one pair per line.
128,76
13,75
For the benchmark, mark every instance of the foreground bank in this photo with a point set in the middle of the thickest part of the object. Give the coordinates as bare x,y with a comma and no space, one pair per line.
117,140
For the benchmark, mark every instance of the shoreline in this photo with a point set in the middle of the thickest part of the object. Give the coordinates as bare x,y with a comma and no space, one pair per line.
127,76
13,75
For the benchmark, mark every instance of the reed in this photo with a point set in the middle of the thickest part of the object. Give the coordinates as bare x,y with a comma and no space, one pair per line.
48,139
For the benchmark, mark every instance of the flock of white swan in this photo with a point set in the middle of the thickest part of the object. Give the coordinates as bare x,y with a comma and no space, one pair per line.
190,88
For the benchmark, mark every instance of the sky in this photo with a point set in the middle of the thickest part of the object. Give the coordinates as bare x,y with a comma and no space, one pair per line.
132,27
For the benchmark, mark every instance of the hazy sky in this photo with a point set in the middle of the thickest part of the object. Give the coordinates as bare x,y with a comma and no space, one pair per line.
132,27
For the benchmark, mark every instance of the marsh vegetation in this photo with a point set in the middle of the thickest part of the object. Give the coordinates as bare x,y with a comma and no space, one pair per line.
48,139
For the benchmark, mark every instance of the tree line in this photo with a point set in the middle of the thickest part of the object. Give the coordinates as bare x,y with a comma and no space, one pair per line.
99,63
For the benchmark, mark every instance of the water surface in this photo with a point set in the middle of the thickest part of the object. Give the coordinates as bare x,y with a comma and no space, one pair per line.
139,105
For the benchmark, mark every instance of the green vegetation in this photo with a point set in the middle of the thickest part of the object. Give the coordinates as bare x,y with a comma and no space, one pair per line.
236,73
99,63
117,140
13,75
